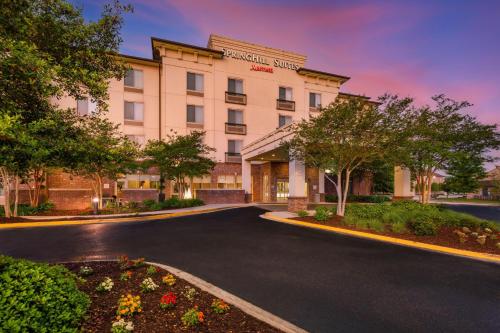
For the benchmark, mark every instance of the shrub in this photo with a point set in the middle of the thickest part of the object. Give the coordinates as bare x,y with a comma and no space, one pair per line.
152,270
302,213
175,202
190,293
322,213
394,216
128,306
376,225
125,276
132,205
168,301
399,227
366,211
39,298
169,280
86,271
422,226
149,203
192,317
148,285
359,198
105,285
122,326
219,306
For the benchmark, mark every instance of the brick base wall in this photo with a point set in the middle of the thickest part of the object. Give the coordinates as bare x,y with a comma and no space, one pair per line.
138,195
70,199
297,203
221,196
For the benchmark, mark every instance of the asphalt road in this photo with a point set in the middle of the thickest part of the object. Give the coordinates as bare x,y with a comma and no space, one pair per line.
484,212
318,280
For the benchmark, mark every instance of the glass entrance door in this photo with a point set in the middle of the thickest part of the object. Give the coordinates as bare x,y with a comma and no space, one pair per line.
282,190
266,189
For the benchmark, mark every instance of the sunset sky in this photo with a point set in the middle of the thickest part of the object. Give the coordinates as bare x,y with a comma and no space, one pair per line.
412,48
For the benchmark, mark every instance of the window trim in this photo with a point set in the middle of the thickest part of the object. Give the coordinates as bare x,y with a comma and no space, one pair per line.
195,123
242,85
133,122
201,92
132,88
286,87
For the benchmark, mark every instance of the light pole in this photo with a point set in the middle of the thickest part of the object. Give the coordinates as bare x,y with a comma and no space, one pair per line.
95,204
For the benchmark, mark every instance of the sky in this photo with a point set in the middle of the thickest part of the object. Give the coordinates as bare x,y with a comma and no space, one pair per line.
411,48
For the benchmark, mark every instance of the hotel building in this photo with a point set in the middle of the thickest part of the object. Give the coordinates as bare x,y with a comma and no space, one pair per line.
241,95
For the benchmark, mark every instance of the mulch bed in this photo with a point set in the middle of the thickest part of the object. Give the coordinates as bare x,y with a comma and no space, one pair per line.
102,311
444,237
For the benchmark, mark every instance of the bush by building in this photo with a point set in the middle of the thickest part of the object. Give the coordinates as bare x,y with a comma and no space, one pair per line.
39,298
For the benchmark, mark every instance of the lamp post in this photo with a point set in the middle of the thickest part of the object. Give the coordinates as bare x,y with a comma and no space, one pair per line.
95,204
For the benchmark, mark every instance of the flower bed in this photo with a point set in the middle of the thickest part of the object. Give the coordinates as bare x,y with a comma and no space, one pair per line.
174,306
409,220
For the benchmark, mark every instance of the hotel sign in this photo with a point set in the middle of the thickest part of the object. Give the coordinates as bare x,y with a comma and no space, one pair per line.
258,59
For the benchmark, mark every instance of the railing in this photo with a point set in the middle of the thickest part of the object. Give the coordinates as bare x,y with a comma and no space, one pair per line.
236,98
233,158
233,128
283,104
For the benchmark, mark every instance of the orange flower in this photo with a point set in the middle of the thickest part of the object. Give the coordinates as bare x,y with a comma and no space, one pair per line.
200,316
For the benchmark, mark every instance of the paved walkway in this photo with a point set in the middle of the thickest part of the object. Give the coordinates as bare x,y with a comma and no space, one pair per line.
318,280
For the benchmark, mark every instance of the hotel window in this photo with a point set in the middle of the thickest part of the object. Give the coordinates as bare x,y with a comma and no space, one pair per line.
139,139
285,94
195,82
195,114
134,111
134,79
314,100
234,146
284,120
234,116
229,182
139,182
204,182
235,86
85,106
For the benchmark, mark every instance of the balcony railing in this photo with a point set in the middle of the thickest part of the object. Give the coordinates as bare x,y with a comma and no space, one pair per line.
283,104
236,98
232,128
233,158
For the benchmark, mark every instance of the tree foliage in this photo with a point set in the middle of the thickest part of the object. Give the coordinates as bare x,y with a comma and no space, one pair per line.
179,157
437,137
48,50
464,174
104,152
345,135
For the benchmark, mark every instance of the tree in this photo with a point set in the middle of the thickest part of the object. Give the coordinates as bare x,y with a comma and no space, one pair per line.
346,134
438,136
464,172
47,50
103,152
179,157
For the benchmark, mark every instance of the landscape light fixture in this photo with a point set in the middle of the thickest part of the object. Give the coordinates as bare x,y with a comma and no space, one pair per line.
95,204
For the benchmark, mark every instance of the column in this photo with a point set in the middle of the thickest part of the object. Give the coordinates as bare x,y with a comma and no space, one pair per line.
321,185
297,199
246,179
402,184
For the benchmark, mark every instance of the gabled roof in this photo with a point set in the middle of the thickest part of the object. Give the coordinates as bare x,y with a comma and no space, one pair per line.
173,45
323,75
139,60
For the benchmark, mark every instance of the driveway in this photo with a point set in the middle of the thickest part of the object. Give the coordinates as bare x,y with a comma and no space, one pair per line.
482,211
318,280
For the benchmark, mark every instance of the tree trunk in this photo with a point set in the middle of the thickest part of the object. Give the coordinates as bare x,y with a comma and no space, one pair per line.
16,194
6,189
346,190
340,200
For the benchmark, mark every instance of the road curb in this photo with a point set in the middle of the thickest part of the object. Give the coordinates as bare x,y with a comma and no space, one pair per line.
107,220
234,300
398,241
